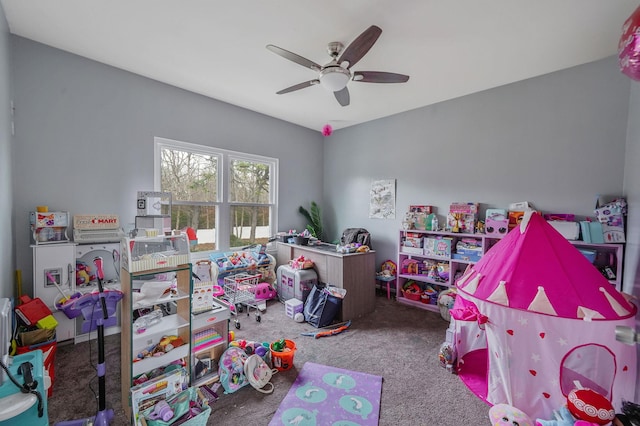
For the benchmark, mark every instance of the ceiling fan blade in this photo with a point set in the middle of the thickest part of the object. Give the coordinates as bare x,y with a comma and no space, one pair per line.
360,46
294,58
379,77
342,96
298,87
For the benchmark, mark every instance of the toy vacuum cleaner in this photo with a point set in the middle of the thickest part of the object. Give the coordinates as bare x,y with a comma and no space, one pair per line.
97,309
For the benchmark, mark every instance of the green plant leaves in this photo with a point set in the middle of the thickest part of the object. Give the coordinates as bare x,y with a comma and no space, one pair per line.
314,218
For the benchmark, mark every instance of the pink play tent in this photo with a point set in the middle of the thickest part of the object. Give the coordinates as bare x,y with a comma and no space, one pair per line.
533,316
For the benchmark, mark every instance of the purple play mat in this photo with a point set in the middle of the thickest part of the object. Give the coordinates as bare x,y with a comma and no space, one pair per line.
323,395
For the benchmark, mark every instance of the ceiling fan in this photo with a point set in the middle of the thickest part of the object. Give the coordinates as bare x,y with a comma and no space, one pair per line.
335,75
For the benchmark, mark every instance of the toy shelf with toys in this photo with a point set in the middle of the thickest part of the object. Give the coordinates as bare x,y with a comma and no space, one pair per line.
156,323
209,339
429,262
432,258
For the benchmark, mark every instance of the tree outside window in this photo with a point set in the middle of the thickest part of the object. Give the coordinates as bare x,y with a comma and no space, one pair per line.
194,175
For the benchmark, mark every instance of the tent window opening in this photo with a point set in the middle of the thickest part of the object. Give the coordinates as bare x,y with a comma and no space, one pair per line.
594,366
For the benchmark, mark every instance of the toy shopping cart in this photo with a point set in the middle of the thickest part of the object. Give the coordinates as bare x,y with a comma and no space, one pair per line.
239,290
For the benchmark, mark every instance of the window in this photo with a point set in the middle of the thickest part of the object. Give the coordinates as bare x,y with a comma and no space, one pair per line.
227,198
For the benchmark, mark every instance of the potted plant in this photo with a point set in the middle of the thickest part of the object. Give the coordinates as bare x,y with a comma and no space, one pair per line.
314,218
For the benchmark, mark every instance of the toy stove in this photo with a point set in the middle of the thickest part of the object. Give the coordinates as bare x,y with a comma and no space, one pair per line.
97,229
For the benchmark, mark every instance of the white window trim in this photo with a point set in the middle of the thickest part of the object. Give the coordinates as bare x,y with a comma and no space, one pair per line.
224,156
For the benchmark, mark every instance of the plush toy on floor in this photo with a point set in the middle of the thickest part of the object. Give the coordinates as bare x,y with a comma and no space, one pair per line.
585,407
590,406
563,417
264,291
506,415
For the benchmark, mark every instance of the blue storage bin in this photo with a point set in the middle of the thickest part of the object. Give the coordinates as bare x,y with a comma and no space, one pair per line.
589,254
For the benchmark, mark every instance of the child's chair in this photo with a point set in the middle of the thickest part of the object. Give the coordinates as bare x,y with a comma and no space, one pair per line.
387,275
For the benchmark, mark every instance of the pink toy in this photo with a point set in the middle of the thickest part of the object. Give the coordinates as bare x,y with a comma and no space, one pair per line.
629,48
496,225
83,273
506,415
264,291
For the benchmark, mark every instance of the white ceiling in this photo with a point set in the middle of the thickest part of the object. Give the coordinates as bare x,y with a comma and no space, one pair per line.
217,48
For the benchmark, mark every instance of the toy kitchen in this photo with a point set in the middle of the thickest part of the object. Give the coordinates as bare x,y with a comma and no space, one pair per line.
62,267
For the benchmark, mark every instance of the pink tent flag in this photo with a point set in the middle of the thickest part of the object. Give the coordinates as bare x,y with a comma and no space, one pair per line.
534,316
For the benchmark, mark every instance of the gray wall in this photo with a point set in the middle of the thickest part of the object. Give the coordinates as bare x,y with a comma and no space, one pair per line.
85,133
6,196
632,191
556,141
84,139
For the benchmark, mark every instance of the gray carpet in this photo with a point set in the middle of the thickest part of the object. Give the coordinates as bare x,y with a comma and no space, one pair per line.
397,342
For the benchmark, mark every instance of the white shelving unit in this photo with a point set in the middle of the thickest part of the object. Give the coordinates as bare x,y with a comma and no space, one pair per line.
177,322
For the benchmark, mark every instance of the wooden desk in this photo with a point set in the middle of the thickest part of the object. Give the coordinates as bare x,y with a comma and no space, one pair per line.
354,272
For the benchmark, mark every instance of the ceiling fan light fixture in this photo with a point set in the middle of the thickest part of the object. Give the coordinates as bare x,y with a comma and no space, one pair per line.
334,78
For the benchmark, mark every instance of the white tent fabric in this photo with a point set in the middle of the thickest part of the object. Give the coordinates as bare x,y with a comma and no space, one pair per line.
533,316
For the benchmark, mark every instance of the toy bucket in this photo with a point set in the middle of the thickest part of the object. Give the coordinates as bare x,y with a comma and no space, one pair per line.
283,360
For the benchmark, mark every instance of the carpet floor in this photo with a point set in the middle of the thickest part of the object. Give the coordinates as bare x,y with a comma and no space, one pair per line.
398,342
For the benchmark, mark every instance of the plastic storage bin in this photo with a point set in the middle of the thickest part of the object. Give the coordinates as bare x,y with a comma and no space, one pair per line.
294,283
146,253
293,306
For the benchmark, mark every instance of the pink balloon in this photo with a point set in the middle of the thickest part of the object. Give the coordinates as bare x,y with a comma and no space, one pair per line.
629,46
327,130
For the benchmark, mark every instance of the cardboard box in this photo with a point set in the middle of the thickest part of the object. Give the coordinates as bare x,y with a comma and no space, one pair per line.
569,230
597,234
467,208
412,242
467,257
611,216
421,209
515,217
613,234
412,250
420,221
496,227
466,223
469,252
437,247
516,212
496,223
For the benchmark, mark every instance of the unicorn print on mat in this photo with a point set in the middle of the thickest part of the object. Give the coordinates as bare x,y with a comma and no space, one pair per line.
299,417
340,381
356,405
311,393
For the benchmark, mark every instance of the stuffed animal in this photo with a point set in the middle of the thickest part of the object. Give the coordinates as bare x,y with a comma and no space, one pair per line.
83,273
264,291
563,417
587,404
506,415
168,343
